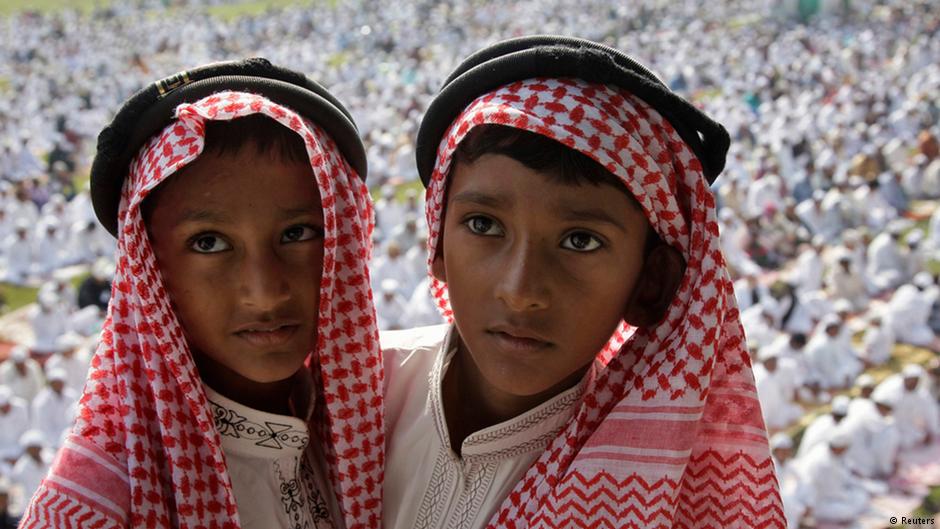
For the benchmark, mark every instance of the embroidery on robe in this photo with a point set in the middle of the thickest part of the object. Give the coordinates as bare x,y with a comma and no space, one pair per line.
317,504
270,434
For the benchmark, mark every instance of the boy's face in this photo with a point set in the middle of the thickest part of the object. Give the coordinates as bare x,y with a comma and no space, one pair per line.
539,272
239,242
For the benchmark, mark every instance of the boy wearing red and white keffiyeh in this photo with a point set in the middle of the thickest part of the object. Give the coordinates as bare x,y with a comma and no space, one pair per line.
240,316
595,373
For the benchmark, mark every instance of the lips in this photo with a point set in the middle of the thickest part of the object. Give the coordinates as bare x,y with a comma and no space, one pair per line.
518,339
267,334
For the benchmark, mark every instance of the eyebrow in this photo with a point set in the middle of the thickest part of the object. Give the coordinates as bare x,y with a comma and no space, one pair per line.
201,215
590,215
480,199
212,216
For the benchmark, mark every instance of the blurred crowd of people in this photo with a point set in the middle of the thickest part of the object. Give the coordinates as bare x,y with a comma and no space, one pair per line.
835,148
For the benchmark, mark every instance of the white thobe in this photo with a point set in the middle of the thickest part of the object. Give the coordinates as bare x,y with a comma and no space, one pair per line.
818,432
916,412
793,492
756,328
390,312
817,305
762,194
278,477
837,496
847,285
428,485
389,214
887,268
776,401
917,416
877,344
24,386
384,267
20,254
28,473
932,241
75,367
831,223
422,307
808,271
831,361
49,254
908,313
52,413
12,425
875,441
744,294
732,240
48,325
810,215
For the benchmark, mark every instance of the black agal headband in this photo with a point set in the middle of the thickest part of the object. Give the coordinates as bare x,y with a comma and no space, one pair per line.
151,109
553,56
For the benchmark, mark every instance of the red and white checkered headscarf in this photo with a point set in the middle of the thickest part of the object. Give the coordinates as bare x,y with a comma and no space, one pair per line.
144,451
669,433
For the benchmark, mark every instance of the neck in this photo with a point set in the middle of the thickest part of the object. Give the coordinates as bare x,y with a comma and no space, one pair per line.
271,397
472,404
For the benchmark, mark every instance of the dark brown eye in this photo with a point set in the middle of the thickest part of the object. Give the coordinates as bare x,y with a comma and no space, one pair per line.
299,233
581,242
209,244
481,225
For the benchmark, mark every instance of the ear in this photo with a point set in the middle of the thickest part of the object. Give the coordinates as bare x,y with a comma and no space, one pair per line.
437,266
659,280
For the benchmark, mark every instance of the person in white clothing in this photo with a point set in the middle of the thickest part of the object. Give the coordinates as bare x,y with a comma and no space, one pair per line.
796,496
14,421
775,392
749,292
52,409
807,274
916,254
21,374
909,311
887,266
49,319
863,405
393,266
811,213
50,248
20,252
31,467
837,495
874,452
389,212
390,306
830,358
763,193
793,366
877,343
915,412
73,359
760,324
843,281
825,426
422,308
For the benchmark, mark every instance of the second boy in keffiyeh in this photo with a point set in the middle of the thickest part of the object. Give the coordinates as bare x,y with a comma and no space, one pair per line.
528,412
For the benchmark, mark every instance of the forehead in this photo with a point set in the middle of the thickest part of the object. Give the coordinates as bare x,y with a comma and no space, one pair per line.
241,184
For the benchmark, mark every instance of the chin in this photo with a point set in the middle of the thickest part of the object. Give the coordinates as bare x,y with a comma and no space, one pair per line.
279,370
512,386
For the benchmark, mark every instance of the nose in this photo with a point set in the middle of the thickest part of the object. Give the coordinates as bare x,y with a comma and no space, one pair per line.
522,285
263,280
